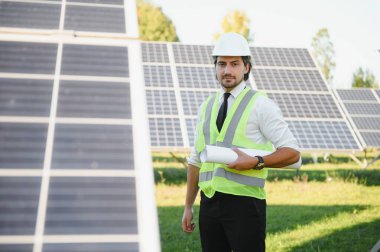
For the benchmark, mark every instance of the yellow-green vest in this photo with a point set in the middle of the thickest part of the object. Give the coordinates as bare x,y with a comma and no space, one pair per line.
215,176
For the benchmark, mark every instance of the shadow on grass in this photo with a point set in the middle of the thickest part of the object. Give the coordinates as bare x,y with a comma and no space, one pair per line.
366,177
361,237
280,218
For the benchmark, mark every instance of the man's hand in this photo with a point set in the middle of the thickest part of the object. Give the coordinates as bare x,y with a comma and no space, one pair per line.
243,162
187,220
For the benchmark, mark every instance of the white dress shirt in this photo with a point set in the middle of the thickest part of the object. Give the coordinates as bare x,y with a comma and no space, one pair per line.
265,123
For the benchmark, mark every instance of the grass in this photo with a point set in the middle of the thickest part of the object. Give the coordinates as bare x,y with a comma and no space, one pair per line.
322,211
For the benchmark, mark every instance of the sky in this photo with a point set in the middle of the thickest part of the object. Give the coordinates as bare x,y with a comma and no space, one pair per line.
353,25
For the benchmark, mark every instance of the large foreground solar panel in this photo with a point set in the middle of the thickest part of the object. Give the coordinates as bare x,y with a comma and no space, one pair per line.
75,163
288,75
363,109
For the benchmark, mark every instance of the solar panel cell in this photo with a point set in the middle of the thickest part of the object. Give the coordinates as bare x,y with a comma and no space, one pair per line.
372,139
279,79
18,206
193,54
93,247
95,19
197,77
29,15
367,123
95,60
192,100
24,57
24,97
94,99
154,53
90,205
323,135
356,95
361,109
161,102
165,132
93,147
22,145
307,105
288,57
158,76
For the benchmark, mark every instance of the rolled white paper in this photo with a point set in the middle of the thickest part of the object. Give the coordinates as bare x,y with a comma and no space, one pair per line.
215,154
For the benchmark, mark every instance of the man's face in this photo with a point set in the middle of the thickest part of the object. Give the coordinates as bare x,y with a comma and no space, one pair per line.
230,71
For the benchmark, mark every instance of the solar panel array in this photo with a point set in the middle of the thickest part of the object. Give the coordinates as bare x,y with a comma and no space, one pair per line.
72,173
288,75
363,109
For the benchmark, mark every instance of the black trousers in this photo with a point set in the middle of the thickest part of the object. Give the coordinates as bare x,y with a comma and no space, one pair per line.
232,223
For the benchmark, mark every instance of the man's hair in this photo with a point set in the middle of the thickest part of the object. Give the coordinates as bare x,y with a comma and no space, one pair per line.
246,60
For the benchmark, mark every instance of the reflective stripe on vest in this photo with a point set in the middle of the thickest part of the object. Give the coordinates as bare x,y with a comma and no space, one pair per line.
207,123
239,178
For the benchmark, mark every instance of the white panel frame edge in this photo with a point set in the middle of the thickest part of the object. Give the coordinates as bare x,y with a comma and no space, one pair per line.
148,229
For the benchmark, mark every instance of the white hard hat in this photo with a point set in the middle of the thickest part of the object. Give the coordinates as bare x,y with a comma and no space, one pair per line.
231,44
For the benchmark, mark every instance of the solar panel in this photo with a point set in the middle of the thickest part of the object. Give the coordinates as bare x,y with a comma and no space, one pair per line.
363,109
73,176
288,75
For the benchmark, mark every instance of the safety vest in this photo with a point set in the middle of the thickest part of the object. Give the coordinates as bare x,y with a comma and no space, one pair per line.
216,176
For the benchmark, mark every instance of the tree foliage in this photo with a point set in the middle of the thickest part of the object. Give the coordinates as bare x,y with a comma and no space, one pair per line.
364,79
154,25
323,52
236,21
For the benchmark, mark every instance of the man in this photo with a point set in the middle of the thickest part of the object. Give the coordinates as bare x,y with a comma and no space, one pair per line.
232,214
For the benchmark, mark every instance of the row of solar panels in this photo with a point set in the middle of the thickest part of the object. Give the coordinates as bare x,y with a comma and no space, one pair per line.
179,77
175,90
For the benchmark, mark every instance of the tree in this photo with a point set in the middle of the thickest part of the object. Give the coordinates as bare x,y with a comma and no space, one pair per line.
154,25
323,52
235,21
364,79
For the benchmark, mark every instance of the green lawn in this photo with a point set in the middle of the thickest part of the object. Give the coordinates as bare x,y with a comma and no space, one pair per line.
333,213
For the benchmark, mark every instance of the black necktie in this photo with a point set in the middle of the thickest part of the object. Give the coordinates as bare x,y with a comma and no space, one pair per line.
222,112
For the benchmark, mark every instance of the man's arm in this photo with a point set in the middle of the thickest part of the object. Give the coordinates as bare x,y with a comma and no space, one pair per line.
280,158
191,193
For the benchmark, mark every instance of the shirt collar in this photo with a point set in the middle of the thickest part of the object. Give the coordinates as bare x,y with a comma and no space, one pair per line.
234,92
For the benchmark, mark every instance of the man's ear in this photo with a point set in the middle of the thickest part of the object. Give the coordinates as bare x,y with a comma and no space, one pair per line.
246,68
